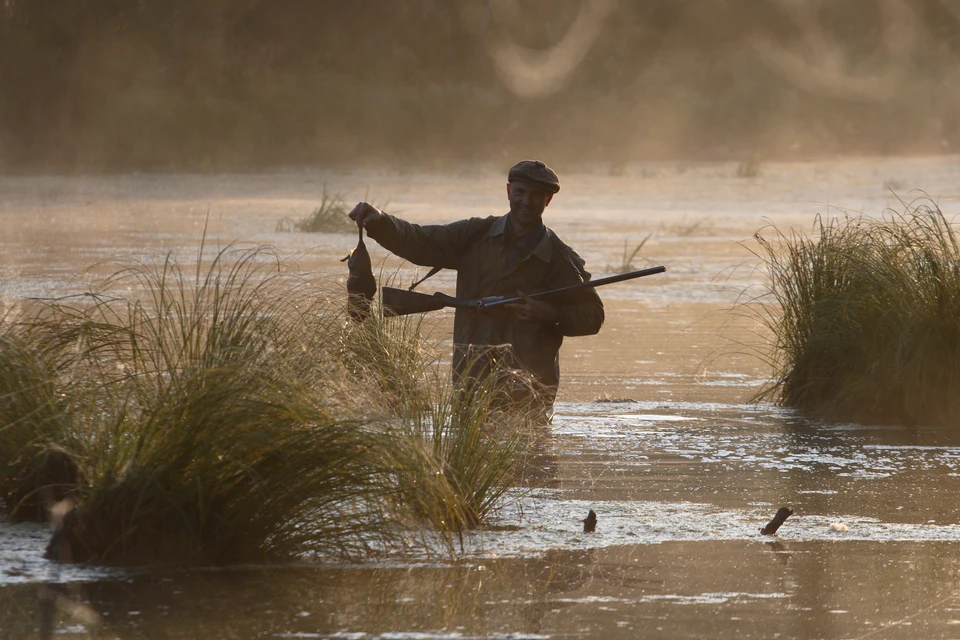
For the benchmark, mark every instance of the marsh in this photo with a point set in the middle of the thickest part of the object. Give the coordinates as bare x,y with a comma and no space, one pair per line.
654,430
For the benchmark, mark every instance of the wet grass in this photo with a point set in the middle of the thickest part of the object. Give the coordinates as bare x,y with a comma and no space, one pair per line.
230,412
866,317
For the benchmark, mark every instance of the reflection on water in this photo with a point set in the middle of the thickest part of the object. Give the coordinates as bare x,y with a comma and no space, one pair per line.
681,471
733,589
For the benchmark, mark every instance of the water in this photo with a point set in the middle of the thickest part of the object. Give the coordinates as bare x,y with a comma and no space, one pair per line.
654,432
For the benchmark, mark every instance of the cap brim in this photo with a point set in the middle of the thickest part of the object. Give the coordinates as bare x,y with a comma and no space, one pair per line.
549,186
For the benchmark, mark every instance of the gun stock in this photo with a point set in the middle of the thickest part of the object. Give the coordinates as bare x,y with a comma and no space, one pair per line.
400,302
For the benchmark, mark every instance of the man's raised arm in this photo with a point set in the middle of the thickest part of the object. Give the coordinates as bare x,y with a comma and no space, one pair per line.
439,245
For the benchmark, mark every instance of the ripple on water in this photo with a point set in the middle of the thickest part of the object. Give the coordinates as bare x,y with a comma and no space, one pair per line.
552,522
742,438
22,562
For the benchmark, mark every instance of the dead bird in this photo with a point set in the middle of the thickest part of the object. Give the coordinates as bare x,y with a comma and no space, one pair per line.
590,522
782,514
361,285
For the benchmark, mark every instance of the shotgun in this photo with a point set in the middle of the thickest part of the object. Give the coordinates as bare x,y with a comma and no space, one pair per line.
400,302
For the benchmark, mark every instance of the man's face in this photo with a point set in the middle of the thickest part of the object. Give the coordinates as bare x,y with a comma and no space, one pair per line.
527,202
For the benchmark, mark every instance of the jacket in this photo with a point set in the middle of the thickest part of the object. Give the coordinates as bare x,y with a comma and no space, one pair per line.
476,249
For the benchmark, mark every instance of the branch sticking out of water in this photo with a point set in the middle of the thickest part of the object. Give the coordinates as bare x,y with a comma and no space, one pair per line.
782,514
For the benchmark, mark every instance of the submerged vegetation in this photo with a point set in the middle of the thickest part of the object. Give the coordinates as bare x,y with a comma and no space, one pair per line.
231,413
866,324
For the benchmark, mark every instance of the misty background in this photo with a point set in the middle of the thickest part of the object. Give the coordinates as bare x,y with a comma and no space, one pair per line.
209,85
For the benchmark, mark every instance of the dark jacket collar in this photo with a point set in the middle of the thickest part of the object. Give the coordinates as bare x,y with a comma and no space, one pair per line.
543,250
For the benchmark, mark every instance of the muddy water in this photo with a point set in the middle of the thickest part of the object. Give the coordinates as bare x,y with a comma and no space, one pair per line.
654,430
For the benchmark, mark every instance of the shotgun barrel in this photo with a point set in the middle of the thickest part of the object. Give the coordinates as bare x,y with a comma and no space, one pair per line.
400,302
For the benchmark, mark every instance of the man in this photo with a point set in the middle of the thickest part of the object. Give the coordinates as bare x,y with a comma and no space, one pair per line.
510,255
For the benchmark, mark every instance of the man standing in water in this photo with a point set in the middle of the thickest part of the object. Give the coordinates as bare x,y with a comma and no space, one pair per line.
510,255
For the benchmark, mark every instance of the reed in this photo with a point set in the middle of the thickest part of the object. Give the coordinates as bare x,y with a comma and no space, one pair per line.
866,317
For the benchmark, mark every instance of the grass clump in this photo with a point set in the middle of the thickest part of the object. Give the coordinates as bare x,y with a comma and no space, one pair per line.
195,426
448,452
452,462
330,217
231,412
866,320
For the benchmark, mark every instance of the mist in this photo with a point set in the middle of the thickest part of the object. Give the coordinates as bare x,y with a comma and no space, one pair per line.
224,85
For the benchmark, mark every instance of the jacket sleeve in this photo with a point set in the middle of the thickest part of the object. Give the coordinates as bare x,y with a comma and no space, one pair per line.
580,314
438,245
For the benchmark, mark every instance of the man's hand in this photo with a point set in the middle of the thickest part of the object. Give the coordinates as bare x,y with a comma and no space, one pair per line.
364,214
533,310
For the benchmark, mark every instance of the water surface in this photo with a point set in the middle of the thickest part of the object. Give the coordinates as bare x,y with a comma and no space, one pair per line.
654,430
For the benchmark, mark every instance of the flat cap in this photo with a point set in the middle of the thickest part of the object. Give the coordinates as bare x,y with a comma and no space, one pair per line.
536,172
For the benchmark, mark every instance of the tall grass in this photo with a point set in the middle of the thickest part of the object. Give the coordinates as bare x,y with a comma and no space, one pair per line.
453,461
196,428
866,317
231,413
447,452
393,359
